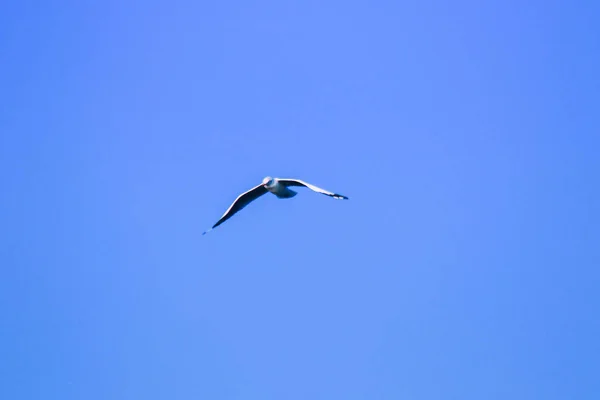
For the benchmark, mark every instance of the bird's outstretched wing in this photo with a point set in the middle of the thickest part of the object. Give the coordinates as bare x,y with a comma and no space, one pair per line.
242,201
297,182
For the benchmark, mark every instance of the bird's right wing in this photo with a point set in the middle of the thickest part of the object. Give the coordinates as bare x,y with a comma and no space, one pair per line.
242,201
298,182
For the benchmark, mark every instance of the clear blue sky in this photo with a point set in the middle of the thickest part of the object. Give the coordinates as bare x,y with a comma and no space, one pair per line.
464,266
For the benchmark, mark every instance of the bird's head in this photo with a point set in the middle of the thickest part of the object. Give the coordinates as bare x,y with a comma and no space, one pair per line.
268,181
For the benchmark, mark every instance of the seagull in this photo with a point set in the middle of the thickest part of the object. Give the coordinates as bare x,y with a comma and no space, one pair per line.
277,186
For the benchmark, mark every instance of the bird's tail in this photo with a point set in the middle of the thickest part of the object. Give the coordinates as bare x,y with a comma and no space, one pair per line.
286,194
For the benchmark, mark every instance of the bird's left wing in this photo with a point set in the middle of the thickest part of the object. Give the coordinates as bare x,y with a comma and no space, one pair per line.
240,202
297,182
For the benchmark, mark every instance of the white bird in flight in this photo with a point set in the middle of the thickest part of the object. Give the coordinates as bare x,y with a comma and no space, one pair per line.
279,187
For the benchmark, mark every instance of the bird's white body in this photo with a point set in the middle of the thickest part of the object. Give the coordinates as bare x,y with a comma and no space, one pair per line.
279,190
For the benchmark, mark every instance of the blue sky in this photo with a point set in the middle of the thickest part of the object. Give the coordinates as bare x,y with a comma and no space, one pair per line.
464,265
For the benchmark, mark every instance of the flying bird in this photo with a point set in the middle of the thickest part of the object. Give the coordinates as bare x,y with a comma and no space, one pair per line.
278,187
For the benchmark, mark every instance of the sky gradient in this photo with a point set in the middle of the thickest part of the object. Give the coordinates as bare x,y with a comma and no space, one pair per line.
464,266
